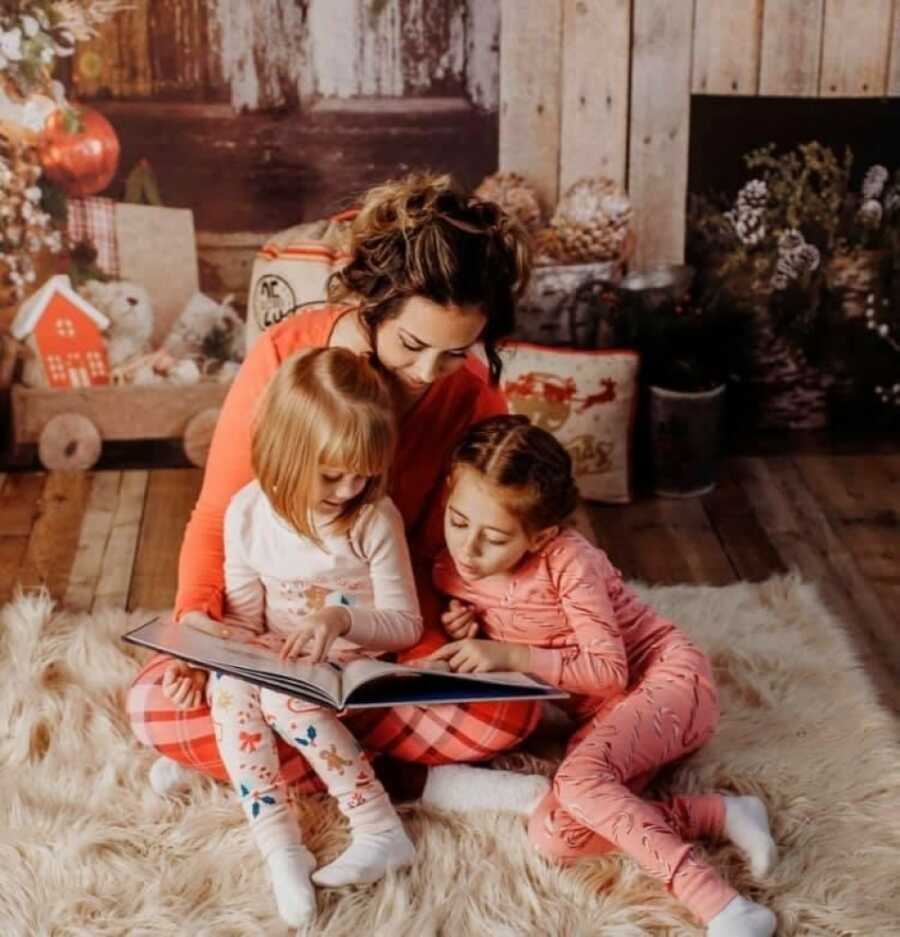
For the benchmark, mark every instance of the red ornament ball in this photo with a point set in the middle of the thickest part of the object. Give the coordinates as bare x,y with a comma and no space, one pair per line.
79,151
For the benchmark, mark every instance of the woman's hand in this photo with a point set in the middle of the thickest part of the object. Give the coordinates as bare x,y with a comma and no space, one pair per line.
184,685
317,632
459,620
476,656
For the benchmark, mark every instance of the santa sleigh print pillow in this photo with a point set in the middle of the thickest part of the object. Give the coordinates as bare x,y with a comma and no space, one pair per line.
587,399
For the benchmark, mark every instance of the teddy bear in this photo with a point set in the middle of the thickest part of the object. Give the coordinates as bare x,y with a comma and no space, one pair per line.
207,330
128,307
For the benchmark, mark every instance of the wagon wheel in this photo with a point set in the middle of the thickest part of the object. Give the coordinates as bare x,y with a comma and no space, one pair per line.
69,442
198,435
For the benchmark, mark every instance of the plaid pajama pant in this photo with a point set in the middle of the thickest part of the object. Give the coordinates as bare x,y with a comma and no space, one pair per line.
430,735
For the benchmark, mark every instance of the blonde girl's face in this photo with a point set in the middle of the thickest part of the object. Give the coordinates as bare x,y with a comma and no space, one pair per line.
426,342
483,537
333,487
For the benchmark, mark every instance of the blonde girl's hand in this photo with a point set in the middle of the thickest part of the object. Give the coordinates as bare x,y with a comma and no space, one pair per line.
184,685
314,634
475,656
459,620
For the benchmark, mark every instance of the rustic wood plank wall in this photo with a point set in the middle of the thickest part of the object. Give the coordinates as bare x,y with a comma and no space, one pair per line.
275,53
660,126
791,48
726,47
855,48
796,48
595,77
530,92
893,79
285,110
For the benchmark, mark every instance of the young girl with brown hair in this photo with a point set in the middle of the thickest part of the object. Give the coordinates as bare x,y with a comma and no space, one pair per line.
550,603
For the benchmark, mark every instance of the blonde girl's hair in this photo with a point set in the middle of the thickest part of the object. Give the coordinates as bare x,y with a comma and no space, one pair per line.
528,467
421,236
323,407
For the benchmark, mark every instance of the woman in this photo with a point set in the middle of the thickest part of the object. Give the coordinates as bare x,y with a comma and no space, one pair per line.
432,273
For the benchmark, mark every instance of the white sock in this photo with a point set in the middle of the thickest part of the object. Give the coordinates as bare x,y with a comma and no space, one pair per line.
368,857
289,869
742,918
464,788
747,826
168,776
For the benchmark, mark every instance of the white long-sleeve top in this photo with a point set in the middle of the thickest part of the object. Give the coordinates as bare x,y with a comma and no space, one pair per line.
274,576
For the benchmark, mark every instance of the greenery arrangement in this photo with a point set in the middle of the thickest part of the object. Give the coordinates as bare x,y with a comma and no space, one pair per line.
806,255
768,246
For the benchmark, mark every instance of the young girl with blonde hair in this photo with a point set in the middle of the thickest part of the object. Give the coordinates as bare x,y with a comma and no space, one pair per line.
549,602
316,565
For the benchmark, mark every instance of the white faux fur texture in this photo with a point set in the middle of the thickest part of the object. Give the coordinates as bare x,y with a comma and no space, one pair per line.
88,850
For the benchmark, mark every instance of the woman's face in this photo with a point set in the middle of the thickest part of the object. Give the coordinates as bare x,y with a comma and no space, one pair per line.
426,342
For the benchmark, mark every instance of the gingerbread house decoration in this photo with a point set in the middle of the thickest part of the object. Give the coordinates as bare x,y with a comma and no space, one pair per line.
63,331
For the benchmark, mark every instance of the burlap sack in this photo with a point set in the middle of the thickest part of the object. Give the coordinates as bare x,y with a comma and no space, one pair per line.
292,269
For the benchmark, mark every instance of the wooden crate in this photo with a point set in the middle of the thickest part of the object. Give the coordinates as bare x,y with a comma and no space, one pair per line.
69,426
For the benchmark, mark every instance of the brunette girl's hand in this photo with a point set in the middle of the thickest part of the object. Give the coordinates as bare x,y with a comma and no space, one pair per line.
314,634
459,620
474,656
184,685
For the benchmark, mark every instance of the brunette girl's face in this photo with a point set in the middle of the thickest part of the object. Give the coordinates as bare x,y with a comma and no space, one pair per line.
483,536
426,342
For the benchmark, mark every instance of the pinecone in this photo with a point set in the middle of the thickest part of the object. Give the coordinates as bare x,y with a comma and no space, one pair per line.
592,221
515,195
754,196
749,225
873,182
809,257
870,213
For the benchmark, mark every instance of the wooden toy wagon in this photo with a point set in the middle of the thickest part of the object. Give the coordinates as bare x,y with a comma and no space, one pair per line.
71,407
69,426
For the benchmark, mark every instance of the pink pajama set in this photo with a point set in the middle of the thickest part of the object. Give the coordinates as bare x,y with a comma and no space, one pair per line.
642,695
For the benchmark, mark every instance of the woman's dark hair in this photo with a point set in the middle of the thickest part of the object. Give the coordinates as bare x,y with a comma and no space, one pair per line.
421,236
529,466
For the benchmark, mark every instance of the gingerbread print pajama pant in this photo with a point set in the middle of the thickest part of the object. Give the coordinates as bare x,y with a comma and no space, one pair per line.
595,807
246,719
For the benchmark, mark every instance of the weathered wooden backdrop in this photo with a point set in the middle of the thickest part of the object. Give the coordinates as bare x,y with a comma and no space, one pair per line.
590,85
261,114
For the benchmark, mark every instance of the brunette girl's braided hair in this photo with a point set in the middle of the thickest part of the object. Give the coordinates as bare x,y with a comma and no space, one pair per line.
532,469
421,236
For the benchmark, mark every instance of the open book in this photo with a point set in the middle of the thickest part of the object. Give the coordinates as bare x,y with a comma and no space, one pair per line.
356,684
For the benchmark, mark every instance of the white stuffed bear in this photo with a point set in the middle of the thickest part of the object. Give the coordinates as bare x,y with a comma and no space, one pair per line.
129,310
207,329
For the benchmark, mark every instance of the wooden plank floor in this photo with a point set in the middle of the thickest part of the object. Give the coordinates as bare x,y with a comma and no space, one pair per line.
111,538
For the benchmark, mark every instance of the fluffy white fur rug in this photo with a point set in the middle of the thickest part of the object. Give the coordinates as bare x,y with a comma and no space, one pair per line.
88,849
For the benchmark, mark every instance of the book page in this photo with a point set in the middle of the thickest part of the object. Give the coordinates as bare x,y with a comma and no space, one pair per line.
242,657
361,671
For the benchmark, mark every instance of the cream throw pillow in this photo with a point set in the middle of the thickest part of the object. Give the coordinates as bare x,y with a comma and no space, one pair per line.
587,399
